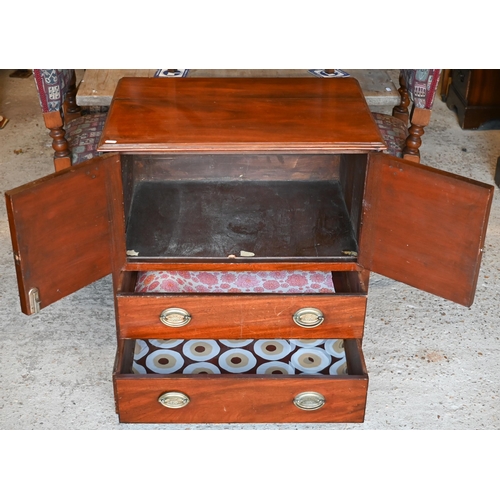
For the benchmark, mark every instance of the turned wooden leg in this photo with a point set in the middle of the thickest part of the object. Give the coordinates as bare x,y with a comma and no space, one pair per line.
413,143
401,110
420,118
62,154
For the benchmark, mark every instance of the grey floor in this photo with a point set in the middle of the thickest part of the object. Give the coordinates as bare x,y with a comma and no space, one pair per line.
432,364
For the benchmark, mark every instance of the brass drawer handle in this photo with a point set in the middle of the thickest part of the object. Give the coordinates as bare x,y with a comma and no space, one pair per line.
308,317
174,400
175,317
309,401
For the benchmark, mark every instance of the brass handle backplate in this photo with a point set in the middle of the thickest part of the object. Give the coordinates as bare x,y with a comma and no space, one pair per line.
174,400
308,317
175,317
309,400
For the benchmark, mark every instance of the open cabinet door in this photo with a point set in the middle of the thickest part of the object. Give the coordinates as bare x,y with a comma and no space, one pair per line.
61,230
424,227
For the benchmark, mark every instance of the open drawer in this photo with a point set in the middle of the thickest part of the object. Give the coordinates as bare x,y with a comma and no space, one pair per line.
253,305
324,383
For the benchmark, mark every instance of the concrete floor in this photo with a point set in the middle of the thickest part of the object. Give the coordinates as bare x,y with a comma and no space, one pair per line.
432,364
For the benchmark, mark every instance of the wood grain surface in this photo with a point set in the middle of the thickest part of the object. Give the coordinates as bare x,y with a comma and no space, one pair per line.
240,114
61,231
243,398
223,316
424,227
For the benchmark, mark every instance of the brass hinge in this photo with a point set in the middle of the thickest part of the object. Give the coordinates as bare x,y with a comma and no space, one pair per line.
34,298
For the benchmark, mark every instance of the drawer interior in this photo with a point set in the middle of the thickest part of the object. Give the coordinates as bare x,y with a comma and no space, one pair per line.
235,282
271,357
286,282
217,207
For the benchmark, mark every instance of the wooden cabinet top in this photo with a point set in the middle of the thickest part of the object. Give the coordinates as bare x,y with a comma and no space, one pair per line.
240,115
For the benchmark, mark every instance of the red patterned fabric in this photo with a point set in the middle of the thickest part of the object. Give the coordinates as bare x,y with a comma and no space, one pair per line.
422,85
52,86
234,282
83,134
393,131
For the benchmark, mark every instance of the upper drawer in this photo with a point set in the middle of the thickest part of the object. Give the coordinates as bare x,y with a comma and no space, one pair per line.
340,312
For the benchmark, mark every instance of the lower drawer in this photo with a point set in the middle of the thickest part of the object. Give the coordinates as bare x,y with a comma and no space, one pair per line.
265,397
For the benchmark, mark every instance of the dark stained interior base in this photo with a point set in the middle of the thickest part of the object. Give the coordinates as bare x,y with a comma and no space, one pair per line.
217,218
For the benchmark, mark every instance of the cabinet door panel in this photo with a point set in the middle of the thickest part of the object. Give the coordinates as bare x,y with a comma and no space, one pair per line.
424,227
61,232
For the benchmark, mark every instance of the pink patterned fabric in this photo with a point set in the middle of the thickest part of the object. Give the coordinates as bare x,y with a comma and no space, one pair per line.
394,132
422,85
234,282
83,134
52,86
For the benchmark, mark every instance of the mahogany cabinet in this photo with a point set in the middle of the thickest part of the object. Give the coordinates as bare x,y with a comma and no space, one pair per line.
220,178
474,95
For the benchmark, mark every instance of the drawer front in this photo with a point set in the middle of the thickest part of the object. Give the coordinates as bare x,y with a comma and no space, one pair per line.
249,399
221,316
238,397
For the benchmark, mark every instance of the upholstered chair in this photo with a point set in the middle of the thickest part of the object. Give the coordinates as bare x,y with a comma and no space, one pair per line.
75,135
417,87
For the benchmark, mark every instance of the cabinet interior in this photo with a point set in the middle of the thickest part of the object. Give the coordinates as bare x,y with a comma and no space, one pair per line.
215,207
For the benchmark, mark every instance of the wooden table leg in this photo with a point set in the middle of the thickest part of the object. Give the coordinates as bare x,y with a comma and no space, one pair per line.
445,83
497,173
